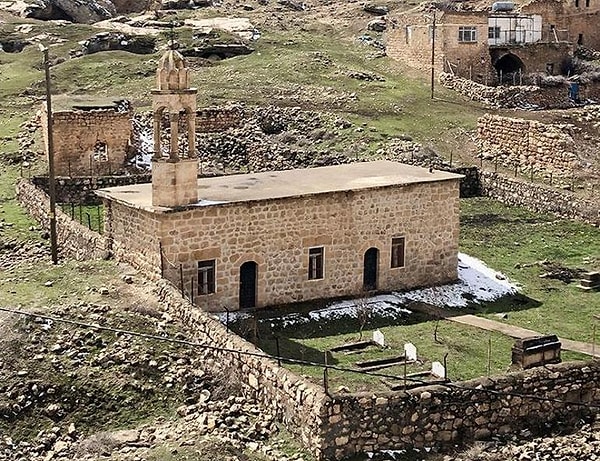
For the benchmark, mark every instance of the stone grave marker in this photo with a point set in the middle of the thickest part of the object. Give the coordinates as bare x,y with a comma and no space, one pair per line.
437,369
410,351
378,338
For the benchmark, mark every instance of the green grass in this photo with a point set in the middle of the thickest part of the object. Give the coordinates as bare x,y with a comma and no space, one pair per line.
512,240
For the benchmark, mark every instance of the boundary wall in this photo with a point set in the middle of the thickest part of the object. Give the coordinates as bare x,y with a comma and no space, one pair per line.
336,426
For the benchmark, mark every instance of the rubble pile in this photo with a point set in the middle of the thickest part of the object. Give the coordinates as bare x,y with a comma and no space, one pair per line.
71,379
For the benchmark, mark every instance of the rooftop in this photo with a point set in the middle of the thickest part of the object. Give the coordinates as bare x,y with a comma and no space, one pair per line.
288,183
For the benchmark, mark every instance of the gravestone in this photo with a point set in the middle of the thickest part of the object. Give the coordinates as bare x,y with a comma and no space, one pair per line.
410,351
536,351
378,338
438,370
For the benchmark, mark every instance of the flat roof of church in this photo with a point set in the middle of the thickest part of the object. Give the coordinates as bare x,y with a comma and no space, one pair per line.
250,187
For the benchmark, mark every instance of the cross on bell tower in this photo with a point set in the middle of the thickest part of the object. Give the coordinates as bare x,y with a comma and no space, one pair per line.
174,164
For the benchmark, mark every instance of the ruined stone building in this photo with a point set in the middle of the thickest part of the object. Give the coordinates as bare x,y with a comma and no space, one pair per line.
255,240
90,138
486,41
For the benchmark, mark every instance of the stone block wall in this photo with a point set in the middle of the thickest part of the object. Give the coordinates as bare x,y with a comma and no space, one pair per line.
80,190
445,416
527,143
539,198
89,143
74,240
215,119
277,234
299,404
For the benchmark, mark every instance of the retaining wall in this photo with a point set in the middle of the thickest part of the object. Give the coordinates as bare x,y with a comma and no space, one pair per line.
74,240
216,119
528,143
539,198
440,416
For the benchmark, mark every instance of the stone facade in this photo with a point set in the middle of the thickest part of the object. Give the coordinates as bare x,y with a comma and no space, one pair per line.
89,142
464,46
528,144
276,233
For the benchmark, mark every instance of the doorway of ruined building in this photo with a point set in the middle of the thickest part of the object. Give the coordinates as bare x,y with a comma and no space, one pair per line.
248,284
509,68
371,261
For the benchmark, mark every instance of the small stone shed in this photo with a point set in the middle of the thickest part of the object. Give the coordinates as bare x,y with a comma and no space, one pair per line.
281,237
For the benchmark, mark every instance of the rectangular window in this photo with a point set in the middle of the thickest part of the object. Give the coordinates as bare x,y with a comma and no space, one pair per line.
467,34
206,277
398,245
494,33
315,263
576,3
587,3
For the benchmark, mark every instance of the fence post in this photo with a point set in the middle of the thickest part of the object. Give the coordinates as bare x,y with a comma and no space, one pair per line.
181,280
162,263
446,366
89,220
278,350
99,220
192,290
451,152
326,376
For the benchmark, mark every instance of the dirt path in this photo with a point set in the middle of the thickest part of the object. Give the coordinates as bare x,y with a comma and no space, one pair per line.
504,328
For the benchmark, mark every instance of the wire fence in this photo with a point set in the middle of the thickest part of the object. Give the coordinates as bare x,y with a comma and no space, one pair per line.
91,216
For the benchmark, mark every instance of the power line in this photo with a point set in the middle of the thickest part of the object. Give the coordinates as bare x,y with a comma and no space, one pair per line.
292,360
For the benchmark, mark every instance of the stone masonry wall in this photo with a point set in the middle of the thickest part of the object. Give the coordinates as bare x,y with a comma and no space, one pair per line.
520,96
74,240
80,190
539,198
216,119
299,404
527,143
441,416
76,135
277,234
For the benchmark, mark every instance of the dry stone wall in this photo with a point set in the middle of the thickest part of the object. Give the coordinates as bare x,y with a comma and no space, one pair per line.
299,404
539,198
445,416
74,240
215,119
81,190
528,144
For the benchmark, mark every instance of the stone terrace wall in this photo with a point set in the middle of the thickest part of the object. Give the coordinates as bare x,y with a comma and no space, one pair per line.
216,119
74,240
528,144
539,198
496,96
440,416
300,405
76,135
80,190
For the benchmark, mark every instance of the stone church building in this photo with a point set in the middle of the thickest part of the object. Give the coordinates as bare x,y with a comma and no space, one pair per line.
279,237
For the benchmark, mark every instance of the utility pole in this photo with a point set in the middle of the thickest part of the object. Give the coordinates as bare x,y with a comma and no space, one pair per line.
51,179
433,54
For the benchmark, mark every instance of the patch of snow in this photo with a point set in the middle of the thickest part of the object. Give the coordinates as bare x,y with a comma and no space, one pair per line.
202,202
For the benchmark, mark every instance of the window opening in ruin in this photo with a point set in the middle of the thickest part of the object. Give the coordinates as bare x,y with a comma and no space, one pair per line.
248,284
398,248
467,34
100,152
206,277
370,263
580,39
587,3
315,263
576,3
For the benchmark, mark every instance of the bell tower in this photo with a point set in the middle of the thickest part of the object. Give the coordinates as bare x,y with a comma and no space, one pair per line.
174,163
